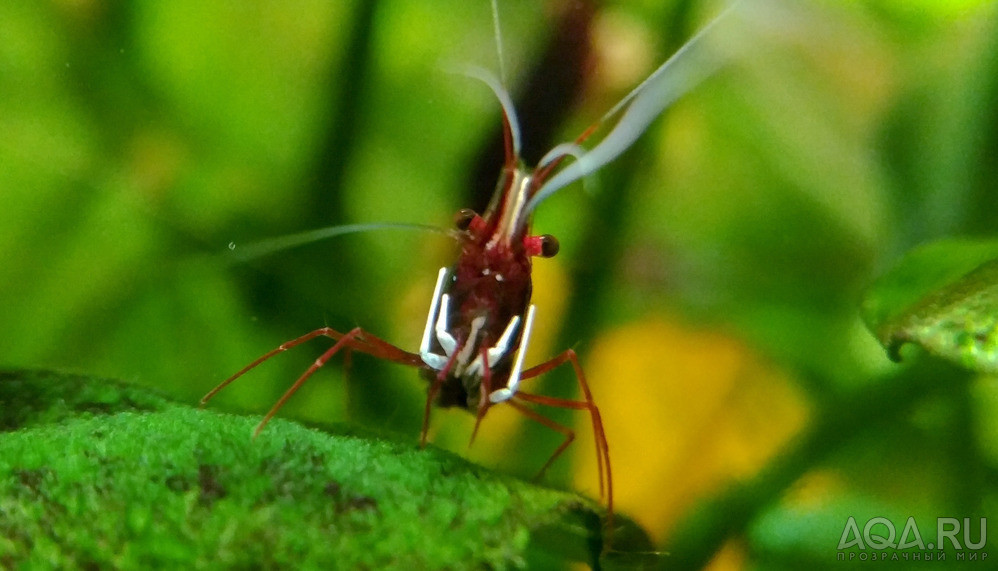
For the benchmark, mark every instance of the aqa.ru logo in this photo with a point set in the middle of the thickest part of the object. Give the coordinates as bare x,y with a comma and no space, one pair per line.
910,546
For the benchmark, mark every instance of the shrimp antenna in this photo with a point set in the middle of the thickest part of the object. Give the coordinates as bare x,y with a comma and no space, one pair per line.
497,31
266,247
693,63
505,100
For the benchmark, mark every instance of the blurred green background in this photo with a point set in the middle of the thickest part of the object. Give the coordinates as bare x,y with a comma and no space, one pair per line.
710,279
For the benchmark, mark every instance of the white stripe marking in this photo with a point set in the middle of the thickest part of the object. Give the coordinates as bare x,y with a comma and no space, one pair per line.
444,337
496,352
513,383
469,345
433,360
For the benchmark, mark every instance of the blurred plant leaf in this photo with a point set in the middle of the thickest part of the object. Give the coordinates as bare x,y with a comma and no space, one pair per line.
943,297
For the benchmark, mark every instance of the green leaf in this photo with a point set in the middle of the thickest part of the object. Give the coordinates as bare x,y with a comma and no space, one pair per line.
94,473
944,298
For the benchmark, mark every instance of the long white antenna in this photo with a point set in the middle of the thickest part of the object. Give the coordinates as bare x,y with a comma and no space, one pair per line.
693,63
497,31
266,247
505,100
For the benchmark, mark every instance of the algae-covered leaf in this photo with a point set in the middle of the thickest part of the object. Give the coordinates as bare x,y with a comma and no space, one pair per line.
33,397
944,298
136,481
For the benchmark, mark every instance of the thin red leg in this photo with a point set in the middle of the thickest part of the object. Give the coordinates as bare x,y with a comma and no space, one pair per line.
567,432
588,404
432,394
355,340
486,390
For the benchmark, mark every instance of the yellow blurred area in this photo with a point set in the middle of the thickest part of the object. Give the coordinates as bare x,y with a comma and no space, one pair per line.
731,557
814,490
686,411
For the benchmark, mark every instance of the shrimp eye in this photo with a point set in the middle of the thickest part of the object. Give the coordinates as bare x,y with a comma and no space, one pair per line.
464,218
549,246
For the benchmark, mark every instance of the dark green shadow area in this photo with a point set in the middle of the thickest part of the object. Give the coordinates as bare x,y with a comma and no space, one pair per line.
94,473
